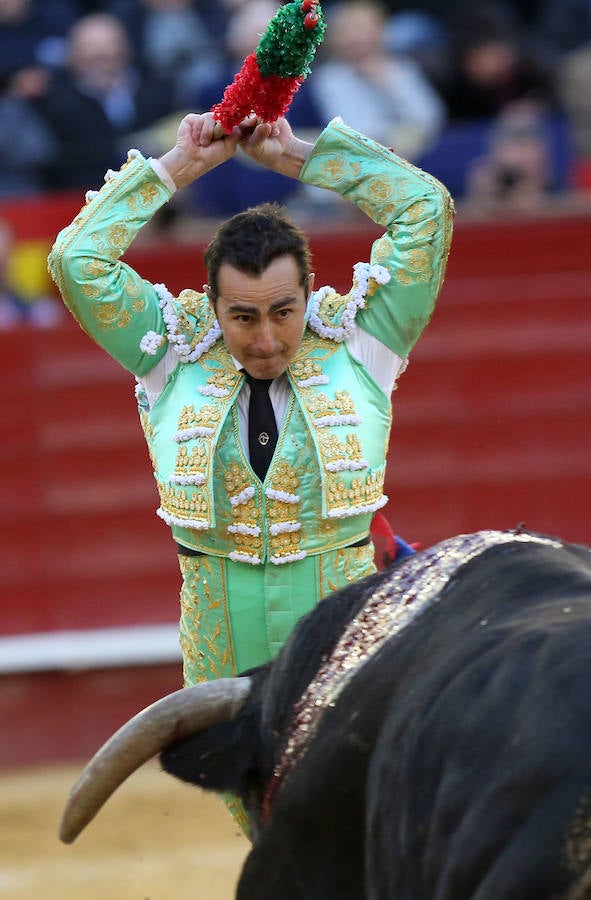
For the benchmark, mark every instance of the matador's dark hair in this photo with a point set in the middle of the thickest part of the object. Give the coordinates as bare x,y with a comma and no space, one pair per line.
251,240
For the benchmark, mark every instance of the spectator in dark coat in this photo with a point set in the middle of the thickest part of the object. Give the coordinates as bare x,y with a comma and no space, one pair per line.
493,65
171,39
32,32
27,145
97,100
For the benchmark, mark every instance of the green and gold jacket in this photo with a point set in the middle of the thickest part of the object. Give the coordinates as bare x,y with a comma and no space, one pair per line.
327,474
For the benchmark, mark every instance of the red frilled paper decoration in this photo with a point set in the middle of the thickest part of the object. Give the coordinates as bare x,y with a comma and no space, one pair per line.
269,77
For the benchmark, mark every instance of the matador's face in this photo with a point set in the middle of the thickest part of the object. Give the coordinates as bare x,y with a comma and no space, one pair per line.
262,316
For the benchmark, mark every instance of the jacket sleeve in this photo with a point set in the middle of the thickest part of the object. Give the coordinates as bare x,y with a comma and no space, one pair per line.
110,301
395,299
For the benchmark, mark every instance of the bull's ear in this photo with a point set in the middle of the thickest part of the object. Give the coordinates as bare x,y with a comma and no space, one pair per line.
226,757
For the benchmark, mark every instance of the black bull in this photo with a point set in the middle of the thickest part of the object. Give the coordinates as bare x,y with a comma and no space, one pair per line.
424,735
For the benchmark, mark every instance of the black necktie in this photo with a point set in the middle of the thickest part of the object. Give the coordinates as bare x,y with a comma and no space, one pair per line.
262,427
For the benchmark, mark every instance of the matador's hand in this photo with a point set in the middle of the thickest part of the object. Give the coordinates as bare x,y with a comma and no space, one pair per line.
199,147
274,145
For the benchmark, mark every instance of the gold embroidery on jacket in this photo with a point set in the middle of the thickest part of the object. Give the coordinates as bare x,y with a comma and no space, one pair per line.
194,317
320,405
416,212
117,237
236,480
94,268
149,194
337,166
415,264
148,429
283,513
194,303
333,168
380,189
306,368
334,450
192,504
330,306
246,532
363,491
382,251
193,464
284,544
111,313
222,379
331,448
207,417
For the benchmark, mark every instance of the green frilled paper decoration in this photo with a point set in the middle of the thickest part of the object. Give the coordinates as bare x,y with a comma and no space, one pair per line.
269,77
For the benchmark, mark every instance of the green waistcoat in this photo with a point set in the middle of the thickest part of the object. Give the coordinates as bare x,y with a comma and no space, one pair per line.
327,473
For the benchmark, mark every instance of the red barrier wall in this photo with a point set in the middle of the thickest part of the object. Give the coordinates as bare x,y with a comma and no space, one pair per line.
492,429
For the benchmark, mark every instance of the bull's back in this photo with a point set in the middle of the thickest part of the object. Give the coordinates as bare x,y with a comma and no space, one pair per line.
486,747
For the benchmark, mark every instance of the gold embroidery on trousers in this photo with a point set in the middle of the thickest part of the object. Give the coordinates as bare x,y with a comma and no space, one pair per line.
205,635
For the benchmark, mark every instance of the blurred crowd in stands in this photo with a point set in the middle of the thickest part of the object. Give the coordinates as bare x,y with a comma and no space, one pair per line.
491,96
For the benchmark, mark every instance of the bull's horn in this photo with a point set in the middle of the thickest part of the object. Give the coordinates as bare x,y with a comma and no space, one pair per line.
174,717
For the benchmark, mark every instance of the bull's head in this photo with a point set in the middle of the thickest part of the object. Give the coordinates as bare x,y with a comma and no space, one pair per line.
172,719
424,733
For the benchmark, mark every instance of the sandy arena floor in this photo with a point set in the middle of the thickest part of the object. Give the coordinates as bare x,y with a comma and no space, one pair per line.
155,839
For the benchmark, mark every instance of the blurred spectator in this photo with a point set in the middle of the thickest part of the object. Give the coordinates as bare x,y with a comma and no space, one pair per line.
218,15
573,75
27,145
446,10
526,10
492,66
240,182
563,25
16,308
423,37
171,40
574,86
96,100
516,171
32,32
507,139
383,95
